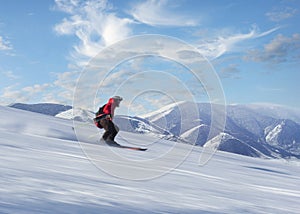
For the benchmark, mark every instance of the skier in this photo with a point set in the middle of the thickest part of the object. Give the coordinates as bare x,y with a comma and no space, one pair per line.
104,118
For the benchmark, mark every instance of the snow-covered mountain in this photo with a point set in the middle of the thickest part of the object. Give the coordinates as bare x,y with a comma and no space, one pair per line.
276,111
78,115
284,134
125,123
42,108
135,125
249,130
228,143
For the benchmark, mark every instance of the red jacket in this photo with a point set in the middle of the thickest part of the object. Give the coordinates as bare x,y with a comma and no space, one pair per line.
110,108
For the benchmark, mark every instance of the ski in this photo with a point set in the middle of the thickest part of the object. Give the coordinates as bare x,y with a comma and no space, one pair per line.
115,144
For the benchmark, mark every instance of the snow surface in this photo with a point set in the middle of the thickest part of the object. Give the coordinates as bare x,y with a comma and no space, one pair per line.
44,169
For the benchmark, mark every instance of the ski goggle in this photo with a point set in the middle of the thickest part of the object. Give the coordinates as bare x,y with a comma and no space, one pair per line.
118,98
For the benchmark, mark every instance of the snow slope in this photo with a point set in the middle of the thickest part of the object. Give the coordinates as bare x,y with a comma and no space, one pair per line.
44,169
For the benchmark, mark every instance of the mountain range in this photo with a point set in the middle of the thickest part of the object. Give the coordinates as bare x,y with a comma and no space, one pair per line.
265,131
249,130
42,108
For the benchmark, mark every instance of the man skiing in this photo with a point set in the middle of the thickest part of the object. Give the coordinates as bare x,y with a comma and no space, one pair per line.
104,118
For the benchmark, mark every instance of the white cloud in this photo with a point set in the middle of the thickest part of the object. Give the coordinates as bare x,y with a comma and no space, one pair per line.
232,70
67,80
60,91
273,90
158,13
94,24
280,49
10,75
37,88
12,94
67,6
4,44
223,44
277,15
115,29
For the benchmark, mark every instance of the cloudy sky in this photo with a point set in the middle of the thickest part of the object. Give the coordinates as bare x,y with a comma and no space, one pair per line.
252,45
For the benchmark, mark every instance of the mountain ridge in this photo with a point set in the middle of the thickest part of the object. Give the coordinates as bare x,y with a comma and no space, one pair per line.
252,131
42,108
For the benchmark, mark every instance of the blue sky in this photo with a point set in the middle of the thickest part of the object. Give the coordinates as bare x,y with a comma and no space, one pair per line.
253,45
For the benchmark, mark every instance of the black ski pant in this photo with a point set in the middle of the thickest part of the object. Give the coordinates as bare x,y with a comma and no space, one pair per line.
110,129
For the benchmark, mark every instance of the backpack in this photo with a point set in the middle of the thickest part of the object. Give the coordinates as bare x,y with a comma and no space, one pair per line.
100,111
97,119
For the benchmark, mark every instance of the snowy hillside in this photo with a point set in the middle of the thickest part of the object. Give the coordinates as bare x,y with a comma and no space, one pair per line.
44,169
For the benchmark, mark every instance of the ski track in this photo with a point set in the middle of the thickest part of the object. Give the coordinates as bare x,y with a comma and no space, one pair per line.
43,171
